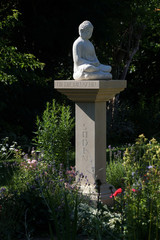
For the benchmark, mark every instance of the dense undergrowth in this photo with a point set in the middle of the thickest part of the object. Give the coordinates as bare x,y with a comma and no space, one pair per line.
39,198
38,195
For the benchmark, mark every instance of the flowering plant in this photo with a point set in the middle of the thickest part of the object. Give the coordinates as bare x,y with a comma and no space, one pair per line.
119,190
7,150
142,167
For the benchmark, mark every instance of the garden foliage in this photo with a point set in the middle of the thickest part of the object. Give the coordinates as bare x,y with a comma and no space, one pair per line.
39,193
142,210
13,63
54,133
46,199
138,198
122,28
6,150
115,171
20,77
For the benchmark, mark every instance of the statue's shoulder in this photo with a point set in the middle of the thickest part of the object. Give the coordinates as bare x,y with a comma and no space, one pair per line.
78,42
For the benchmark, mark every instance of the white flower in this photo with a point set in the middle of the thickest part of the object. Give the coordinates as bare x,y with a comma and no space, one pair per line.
3,149
11,148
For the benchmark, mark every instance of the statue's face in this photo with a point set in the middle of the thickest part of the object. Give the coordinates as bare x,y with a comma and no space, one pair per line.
86,33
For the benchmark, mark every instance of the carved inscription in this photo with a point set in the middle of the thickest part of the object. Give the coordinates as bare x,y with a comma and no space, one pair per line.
68,84
84,143
59,84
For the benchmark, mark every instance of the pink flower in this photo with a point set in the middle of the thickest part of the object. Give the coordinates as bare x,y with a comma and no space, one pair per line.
34,163
134,190
30,163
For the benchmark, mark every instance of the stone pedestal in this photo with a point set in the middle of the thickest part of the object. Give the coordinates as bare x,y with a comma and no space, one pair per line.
90,102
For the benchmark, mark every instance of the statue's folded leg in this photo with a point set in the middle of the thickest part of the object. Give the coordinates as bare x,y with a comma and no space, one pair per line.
86,72
96,76
89,68
105,68
99,75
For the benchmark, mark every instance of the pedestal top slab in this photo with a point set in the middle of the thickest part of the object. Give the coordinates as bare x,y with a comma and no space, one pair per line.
90,90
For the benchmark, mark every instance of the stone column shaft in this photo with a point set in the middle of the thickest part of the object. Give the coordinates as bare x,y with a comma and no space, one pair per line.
91,140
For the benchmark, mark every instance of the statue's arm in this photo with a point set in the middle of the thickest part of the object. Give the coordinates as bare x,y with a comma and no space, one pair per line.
96,61
77,55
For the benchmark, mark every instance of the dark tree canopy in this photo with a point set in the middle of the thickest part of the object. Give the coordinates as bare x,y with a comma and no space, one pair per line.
126,36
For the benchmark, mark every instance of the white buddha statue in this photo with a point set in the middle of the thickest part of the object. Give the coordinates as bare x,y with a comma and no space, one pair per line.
86,63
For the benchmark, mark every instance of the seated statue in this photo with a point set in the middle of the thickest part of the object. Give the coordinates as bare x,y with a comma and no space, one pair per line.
86,63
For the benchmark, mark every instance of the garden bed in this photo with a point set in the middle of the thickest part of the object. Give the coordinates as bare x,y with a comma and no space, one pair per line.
47,203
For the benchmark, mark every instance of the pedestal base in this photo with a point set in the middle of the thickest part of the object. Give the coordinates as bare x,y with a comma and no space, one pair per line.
103,194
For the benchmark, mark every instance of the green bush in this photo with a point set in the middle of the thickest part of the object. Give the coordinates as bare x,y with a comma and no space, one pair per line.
54,132
139,201
7,169
8,162
7,150
39,195
11,215
115,171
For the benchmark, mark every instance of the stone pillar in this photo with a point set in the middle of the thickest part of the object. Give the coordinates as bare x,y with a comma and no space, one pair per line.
91,140
90,102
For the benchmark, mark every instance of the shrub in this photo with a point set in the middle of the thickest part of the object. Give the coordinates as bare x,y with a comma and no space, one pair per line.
139,201
42,195
53,136
115,171
6,150
36,196
11,215
8,163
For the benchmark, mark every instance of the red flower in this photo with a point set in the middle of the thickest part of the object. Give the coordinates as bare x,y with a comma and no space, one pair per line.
118,191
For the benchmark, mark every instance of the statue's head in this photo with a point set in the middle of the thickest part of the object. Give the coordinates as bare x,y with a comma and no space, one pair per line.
85,29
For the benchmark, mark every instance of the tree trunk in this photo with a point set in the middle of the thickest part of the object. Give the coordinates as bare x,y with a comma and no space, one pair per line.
133,51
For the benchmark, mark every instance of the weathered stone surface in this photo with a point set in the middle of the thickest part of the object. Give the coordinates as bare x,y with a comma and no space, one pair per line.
86,63
91,140
90,90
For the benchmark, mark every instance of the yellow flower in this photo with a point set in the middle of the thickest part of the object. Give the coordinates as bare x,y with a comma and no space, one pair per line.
141,139
153,141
